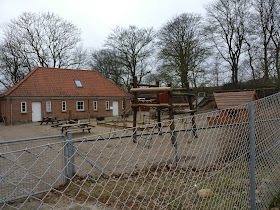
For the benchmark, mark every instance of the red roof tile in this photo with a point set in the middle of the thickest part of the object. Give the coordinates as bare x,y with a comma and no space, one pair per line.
60,82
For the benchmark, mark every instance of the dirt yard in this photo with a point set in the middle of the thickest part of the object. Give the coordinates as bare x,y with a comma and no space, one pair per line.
30,130
120,160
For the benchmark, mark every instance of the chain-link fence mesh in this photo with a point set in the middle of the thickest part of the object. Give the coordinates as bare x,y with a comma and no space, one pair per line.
203,163
267,150
31,166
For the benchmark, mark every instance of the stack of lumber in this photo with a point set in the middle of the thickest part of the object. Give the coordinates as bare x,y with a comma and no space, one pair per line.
231,99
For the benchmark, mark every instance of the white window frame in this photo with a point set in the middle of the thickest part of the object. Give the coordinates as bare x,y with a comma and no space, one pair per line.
107,105
122,105
48,107
25,104
77,106
64,103
95,106
78,83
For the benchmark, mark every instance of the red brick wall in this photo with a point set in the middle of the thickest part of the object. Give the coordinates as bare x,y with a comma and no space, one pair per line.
56,108
5,109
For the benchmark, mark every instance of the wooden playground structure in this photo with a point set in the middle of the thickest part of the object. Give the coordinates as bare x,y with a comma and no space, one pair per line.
173,108
156,106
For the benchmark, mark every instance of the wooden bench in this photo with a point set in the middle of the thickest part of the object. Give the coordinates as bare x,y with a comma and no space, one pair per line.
48,119
77,129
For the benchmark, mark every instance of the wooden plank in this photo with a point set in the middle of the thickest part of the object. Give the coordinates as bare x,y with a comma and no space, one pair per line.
180,105
181,89
231,99
184,111
151,105
73,124
182,94
90,125
147,85
154,89
77,129
239,90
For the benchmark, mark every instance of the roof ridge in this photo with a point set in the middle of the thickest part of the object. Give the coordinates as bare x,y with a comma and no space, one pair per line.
67,69
8,92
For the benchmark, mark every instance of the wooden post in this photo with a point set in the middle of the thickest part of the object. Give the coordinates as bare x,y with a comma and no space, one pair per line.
124,106
70,115
135,100
158,111
88,112
123,103
171,115
189,97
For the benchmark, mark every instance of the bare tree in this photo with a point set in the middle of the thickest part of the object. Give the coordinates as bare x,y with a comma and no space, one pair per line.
276,54
12,63
43,39
254,60
251,58
134,47
216,71
180,46
275,37
226,22
264,27
11,68
164,77
106,62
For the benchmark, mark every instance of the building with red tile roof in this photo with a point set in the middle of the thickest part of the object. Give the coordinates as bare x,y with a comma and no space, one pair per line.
54,92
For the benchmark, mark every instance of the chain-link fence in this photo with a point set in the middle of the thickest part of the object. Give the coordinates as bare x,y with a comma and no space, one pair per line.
227,159
31,166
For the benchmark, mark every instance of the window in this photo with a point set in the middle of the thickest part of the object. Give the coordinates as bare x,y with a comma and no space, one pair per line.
107,105
95,105
23,107
48,106
78,83
123,105
63,106
80,106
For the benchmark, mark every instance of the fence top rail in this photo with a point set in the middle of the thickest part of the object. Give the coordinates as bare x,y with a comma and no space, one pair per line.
31,139
154,89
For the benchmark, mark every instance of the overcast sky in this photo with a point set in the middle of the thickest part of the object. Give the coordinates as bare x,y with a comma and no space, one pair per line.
97,18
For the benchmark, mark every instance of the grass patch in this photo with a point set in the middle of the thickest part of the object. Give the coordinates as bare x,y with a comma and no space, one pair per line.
276,202
165,187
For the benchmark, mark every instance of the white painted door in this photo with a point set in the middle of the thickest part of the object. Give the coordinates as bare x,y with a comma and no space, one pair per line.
36,111
115,108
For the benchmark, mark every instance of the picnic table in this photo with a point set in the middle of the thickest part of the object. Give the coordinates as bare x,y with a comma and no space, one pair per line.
80,126
48,119
63,121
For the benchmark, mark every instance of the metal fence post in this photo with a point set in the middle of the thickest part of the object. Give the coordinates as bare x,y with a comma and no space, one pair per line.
252,155
176,148
65,158
70,155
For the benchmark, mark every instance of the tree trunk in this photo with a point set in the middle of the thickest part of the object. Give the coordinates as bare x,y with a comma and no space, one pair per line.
184,77
277,66
266,76
236,74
